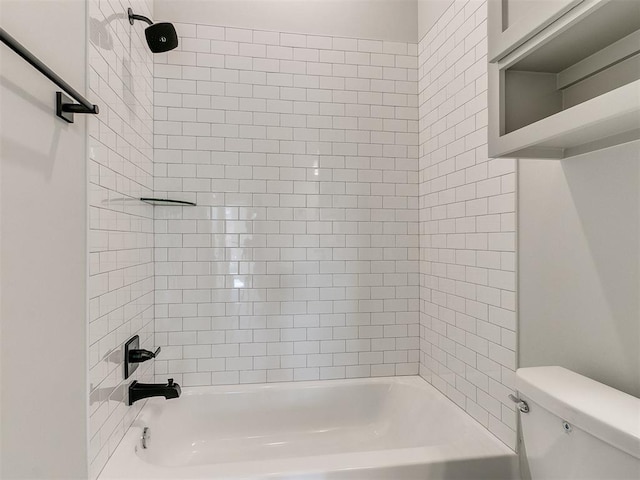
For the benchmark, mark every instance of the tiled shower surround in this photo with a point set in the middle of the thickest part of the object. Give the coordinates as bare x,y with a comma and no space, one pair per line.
467,227
300,261
349,222
120,169
304,256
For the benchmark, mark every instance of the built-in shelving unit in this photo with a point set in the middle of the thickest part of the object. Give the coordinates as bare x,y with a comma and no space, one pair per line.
571,88
513,22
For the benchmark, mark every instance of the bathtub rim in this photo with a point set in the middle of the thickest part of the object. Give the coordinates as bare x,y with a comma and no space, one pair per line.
415,381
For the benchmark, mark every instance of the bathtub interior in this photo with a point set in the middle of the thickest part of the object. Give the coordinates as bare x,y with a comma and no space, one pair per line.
296,420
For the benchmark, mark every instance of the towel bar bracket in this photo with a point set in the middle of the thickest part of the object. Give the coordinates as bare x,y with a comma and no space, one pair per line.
65,108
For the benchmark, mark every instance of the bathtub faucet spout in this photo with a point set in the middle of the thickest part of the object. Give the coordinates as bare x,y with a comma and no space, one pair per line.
138,391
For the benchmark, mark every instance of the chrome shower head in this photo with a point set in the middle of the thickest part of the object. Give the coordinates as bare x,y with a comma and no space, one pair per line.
161,37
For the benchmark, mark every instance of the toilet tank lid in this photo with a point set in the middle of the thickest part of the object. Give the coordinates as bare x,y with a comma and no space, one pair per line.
604,412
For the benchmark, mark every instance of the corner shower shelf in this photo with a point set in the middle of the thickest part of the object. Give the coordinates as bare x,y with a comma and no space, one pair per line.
572,88
167,202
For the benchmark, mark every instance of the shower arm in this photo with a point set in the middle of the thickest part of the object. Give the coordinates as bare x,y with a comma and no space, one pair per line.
133,17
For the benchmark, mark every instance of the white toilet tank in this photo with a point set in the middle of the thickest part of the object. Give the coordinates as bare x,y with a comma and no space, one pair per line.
577,428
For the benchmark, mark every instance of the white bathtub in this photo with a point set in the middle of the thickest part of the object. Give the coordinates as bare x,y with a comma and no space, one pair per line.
392,428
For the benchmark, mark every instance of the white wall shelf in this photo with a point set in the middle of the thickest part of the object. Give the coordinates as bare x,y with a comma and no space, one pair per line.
572,88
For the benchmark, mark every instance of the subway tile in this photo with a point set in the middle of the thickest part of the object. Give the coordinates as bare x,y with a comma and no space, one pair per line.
464,197
322,142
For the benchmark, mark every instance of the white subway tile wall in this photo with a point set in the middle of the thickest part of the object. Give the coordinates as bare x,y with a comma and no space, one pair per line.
120,167
467,227
301,260
349,222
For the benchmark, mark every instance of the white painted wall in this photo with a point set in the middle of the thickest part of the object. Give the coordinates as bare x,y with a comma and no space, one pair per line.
43,260
393,20
579,244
